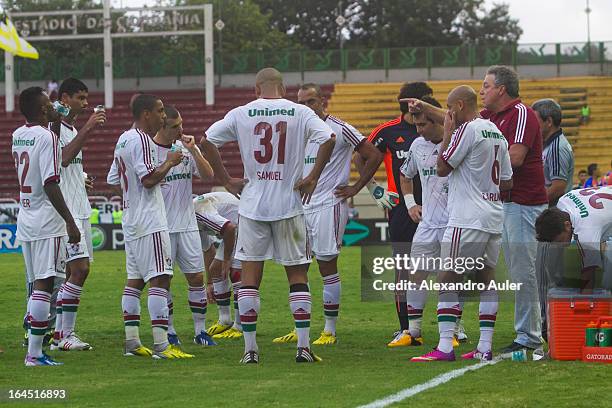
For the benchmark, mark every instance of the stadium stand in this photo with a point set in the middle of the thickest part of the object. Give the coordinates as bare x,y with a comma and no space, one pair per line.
366,105
98,151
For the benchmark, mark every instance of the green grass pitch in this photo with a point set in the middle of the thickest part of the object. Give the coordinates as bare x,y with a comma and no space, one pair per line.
357,370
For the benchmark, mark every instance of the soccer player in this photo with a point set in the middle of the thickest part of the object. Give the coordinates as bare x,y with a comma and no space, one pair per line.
476,160
585,216
394,139
145,227
185,246
432,216
217,214
44,219
327,212
272,133
73,93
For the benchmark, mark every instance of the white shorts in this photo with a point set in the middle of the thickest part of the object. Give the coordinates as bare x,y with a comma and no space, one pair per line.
285,241
45,258
236,264
186,249
325,230
149,256
471,243
84,248
426,245
205,240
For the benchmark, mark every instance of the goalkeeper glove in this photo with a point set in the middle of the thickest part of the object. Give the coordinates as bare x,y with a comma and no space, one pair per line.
384,199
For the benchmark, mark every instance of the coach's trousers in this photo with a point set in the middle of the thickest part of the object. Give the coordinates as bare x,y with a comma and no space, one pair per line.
520,247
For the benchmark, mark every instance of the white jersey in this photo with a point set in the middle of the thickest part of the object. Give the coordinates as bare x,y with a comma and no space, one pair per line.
590,212
214,210
177,189
72,180
338,170
478,154
143,208
272,135
37,156
422,159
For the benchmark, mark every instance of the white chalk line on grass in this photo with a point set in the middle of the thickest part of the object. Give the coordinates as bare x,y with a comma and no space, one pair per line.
434,382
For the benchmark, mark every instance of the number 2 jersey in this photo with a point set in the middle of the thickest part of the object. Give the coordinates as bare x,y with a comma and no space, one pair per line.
37,156
590,212
478,154
272,136
143,208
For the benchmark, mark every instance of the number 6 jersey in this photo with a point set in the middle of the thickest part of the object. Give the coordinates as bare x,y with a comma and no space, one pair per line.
143,208
272,135
478,154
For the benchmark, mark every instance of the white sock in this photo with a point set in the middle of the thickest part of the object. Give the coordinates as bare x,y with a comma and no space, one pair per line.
448,311
39,322
416,303
130,303
221,289
301,305
57,335
331,301
71,297
249,304
157,303
487,312
170,314
198,305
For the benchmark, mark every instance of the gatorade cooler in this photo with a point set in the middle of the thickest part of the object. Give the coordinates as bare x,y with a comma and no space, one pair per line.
569,313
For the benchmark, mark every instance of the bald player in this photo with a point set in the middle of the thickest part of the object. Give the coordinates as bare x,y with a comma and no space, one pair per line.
272,133
477,163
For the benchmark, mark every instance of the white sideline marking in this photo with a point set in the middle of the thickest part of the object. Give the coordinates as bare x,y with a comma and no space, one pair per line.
434,382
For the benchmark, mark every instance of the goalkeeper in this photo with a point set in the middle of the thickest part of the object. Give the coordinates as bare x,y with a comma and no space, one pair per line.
393,139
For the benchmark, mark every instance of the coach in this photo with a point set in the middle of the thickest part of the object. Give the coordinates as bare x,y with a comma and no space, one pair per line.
526,200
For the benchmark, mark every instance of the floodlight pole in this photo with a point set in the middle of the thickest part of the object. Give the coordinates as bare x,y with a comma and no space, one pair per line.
108,56
209,68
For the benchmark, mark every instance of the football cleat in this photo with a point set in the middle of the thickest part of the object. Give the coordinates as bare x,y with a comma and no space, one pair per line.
326,338
174,339
140,351
43,360
218,328
304,355
403,338
477,355
287,338
250,357
436,355
72,342
204,339
232,333
171,352
460,334
455,341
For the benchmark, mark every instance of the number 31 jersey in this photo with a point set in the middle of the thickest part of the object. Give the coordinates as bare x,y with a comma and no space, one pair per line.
272,135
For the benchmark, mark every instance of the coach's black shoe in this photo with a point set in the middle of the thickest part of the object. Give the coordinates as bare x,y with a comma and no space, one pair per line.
250,357
304,355
514,347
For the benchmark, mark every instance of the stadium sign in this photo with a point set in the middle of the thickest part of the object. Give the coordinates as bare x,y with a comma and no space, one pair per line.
141,21
108,23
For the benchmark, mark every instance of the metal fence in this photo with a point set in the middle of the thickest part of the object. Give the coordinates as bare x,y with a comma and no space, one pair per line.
140,66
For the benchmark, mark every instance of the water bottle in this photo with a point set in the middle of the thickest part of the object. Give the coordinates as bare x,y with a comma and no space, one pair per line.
519,355
60,108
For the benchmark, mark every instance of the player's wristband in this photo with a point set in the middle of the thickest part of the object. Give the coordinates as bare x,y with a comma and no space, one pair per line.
409,201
